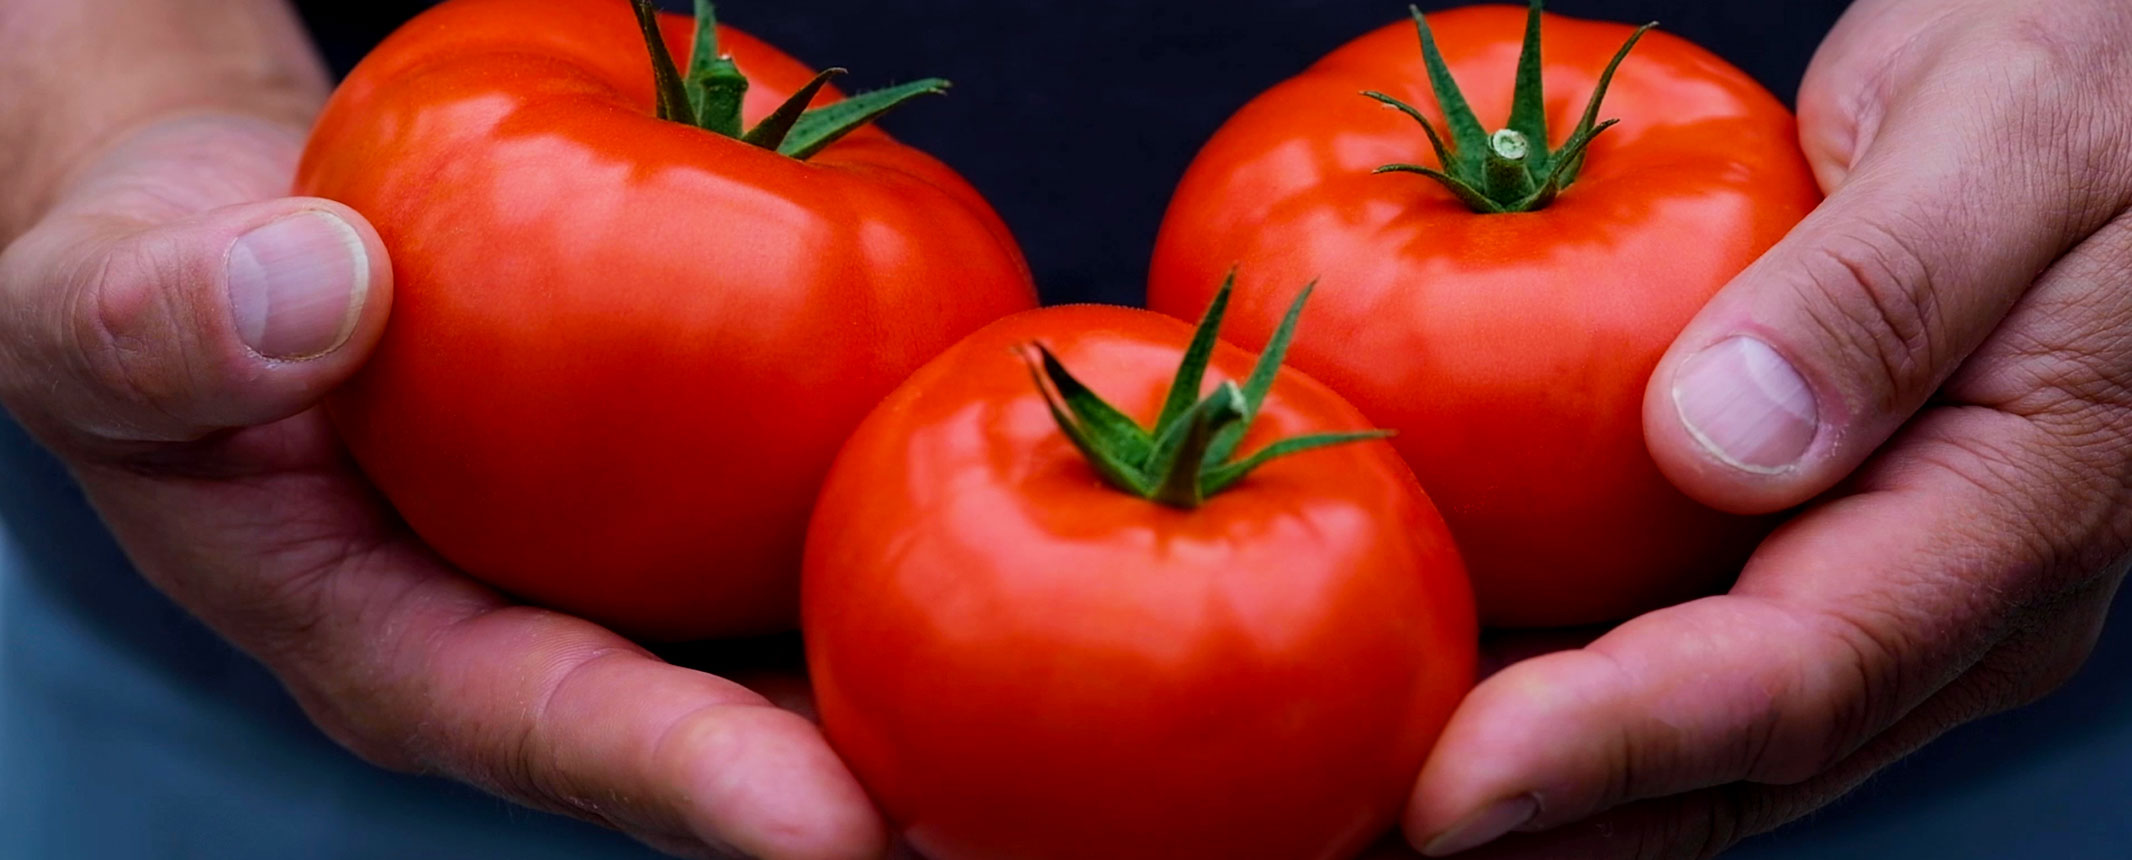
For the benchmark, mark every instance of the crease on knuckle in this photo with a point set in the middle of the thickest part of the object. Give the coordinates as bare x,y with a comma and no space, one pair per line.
2002,470
1632,762
1862,693
1877,298
293,622
2071,533
527,765
119,339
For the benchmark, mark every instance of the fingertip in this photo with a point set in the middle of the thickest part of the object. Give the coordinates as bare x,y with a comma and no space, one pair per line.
1518,749
232,317
292,298
1730,423
305,277
765,782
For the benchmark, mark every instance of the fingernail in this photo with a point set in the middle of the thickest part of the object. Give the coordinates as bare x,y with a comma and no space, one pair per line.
297,285
1485,826
1746,405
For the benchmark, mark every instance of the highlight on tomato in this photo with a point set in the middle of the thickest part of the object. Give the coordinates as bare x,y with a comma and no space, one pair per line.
1501,298
636,309
1089,605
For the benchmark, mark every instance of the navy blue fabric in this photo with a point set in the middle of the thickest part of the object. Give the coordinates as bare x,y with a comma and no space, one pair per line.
129,731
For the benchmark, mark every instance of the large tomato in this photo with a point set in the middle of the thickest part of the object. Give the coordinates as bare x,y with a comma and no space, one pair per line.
1509,349
1021,655
624,350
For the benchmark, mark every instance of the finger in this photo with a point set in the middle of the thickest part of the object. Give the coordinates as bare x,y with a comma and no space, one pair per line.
114,332
1807,362
1705,823
416,667
655,749
1843,622
2061,355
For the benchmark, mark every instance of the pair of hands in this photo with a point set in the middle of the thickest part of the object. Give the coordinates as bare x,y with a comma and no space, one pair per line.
1934,362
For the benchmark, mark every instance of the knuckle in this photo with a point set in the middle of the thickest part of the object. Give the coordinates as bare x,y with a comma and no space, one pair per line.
2053,642
2071,349
122,335
299,621
2041,45
1873,296
1858,691
2051,71
364,742
2064,40
526,763
288,614
2063,367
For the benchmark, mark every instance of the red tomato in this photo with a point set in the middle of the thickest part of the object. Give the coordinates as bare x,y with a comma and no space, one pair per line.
1020,660
623,351
1509,351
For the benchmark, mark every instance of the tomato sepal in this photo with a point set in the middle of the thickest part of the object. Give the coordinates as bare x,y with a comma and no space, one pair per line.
710,96
1512,169
1184,460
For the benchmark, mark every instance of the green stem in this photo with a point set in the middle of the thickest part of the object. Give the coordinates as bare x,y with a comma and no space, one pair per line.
1511,170
716,88
1509,175
1180,454
1186,459
711,96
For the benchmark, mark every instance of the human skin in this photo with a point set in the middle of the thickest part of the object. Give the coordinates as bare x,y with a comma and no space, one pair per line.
168,321
1934,366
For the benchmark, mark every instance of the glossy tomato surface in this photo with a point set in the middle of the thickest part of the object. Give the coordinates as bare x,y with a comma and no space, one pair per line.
1510,351
1020,661
623,351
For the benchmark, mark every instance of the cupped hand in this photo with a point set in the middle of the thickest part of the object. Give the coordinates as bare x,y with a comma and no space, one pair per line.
169,328
1937,364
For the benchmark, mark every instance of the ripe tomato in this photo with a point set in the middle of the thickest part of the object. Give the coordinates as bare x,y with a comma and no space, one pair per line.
1509,350
623,351
1019,660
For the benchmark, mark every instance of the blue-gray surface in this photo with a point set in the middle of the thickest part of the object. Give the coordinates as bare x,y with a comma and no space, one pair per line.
127,731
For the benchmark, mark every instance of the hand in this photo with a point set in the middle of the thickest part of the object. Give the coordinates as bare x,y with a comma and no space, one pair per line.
1936,363
168,328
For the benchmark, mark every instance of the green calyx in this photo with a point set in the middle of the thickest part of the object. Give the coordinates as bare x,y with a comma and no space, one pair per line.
1185,459
709,97
1511,170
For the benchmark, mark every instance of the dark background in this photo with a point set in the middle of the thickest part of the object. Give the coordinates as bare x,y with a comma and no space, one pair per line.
1076,119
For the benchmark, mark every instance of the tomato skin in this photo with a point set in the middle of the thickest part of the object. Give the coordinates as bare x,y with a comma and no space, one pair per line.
623,351
1020,661
1510,352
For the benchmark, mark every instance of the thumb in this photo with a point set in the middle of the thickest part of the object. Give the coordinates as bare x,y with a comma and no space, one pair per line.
116,332
1809,360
